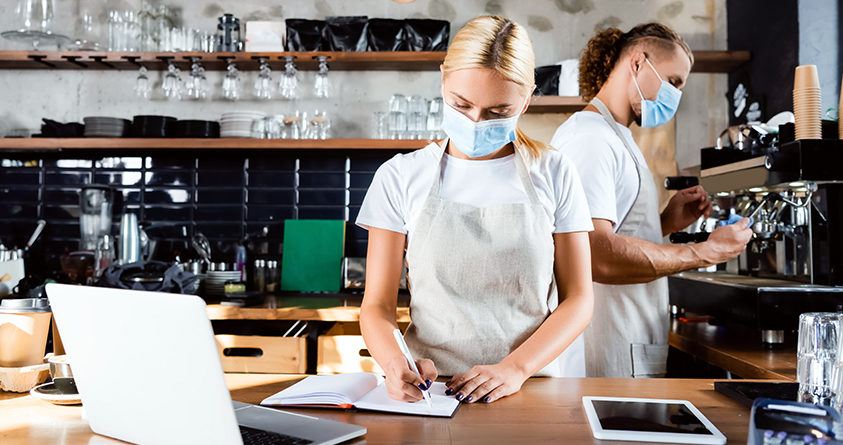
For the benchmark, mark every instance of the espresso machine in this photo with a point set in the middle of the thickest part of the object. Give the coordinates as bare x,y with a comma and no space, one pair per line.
793,192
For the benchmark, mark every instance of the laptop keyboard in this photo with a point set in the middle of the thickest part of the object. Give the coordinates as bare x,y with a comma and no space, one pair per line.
254,436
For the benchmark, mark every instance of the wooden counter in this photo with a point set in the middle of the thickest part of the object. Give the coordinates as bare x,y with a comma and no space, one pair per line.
332,307
736,350
544,411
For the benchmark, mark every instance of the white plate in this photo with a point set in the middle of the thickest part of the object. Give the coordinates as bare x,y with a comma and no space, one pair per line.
58,399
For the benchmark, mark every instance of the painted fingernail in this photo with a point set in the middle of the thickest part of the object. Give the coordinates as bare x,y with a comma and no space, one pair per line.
449,391
428,383
459,396
486,399
422,387
469,399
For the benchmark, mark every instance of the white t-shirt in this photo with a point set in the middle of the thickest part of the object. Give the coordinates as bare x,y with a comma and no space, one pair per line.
401,185
610,179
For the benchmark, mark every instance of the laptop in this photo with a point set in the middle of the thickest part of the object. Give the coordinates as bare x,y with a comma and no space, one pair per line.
148,371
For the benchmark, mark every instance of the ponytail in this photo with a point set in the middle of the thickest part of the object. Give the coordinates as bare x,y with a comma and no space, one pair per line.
603,50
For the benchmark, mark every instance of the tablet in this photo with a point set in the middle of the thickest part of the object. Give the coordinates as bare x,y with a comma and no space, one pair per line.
649,420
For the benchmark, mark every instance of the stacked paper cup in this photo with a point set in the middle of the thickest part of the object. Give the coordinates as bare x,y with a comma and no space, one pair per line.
806,102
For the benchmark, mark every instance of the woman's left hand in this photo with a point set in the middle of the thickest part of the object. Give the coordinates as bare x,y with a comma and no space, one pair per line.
486,383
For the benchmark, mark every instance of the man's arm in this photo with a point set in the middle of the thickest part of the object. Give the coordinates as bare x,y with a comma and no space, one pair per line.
619,259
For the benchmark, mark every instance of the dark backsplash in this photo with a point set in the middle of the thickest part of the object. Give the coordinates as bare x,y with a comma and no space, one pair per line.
226,195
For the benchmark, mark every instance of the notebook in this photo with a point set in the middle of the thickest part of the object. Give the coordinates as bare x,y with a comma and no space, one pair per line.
361,390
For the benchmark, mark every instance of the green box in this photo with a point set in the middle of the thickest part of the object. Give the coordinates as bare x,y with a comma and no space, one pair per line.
312,256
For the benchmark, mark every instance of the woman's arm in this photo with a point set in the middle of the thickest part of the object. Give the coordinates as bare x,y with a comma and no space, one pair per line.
572,269
384,262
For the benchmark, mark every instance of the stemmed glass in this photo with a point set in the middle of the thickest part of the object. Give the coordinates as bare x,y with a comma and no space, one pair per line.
322,87
173,85
143,88
289,81
263,83
197,84
231,83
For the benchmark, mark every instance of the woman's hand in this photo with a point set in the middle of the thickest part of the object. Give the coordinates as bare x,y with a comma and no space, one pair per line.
486,383
405,385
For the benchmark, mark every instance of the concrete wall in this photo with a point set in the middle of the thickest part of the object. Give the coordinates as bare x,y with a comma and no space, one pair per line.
559,29
819,44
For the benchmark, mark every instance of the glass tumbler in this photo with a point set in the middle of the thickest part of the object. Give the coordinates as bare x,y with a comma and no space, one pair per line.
817,357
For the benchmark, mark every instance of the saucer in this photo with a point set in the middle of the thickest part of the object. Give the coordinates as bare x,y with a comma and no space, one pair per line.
48,392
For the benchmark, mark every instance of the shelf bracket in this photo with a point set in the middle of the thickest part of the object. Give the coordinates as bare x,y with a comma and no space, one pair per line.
100,59
40,59
133,60
74,60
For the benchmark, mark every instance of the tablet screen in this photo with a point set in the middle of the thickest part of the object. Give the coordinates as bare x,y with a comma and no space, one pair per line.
650,417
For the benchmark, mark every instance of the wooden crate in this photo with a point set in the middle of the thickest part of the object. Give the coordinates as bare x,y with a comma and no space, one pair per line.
344,353
284,355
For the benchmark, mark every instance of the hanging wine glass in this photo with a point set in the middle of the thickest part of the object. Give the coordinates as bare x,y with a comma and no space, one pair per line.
321,87
173,85
263,83
231,83
197,84
143,87
289,81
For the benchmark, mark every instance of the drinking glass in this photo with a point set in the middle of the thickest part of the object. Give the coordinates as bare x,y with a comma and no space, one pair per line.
173,85
398,106
115,31
380,125
289,81
143,87
292,125
263,83
130,30
197,83
434,119
321,86
817,357
231,83
320,125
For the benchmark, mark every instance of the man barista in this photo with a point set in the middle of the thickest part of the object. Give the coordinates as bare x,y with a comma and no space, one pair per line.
634,76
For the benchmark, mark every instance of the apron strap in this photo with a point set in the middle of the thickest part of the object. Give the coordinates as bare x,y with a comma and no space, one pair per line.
520,167
607,116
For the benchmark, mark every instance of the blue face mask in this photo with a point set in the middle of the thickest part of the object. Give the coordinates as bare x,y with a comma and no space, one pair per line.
477,139
659,111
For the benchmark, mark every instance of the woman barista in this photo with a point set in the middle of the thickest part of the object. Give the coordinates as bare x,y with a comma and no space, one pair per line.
495,226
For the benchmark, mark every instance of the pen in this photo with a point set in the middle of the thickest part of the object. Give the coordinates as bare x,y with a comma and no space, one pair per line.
406,351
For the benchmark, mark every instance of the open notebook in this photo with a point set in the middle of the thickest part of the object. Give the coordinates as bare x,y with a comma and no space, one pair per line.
361,390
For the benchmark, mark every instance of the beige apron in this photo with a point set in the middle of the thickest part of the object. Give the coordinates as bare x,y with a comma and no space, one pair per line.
628,333
481,280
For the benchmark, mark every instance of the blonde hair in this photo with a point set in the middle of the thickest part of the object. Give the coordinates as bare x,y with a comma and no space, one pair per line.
502,45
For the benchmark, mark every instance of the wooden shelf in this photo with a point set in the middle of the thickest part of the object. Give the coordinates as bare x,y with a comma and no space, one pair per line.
556,104
706,61
59,144
719,61
349,61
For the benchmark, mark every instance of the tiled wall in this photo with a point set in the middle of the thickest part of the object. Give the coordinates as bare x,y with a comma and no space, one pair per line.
223,194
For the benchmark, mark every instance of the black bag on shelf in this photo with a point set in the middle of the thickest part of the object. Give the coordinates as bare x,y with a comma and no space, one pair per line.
304,35
547,80
345,33
54,129
385,35
426,34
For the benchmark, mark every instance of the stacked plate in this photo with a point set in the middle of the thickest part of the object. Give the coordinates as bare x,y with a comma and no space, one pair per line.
152,126
196,129
238,124
106,127
806,102
214,281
